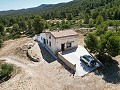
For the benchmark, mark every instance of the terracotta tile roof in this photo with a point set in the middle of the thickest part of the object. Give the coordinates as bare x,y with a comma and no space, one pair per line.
63,33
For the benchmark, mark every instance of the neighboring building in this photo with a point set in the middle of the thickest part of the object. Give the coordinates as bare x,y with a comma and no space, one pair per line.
59,40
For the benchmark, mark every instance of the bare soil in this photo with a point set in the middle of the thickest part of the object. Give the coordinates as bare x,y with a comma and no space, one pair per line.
51,74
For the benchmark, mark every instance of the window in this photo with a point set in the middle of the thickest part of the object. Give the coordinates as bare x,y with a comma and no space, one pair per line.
69,45
44,40
49,43
49,36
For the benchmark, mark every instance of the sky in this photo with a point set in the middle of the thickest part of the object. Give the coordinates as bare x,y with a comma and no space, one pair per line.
20,4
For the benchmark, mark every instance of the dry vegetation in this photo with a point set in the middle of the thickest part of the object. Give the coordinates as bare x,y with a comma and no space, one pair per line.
50,74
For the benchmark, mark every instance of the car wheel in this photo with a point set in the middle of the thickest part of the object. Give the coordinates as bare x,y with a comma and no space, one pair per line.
80,59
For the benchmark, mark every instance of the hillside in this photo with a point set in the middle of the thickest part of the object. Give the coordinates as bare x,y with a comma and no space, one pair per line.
59,10
87,10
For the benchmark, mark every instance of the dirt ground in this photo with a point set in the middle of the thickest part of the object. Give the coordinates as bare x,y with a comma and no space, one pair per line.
51,74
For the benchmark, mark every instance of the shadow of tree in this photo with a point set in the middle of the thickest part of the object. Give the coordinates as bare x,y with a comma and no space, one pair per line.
5,78
111,71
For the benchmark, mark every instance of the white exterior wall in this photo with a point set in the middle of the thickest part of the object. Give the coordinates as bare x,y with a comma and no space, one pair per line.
40,38
73,39
56,42
52,40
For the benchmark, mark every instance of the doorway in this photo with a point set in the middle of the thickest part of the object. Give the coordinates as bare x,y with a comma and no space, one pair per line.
62,47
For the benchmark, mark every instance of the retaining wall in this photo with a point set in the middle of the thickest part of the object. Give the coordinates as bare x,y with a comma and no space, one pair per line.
67,62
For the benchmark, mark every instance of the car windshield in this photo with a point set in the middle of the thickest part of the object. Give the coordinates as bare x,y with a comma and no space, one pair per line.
88,57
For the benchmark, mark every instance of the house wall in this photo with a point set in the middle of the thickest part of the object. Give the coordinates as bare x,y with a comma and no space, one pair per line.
51,39
56,42
71,39
40,38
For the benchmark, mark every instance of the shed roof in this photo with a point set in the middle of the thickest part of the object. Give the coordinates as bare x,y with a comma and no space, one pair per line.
63,33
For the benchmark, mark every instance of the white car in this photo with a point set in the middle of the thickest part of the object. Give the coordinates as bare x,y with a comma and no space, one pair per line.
89,60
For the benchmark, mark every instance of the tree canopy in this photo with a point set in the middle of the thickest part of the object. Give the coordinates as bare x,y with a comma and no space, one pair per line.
38,24
104,44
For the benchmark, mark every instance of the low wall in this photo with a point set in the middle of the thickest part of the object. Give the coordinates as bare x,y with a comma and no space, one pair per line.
67,62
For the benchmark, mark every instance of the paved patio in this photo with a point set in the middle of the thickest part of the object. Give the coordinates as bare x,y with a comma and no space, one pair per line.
73,56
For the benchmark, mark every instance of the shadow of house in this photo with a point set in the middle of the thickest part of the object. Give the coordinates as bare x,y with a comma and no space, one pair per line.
49,58
66,67
46,55
69,51
111,73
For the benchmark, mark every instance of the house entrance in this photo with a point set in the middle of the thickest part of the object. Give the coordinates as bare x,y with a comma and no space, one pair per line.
62,47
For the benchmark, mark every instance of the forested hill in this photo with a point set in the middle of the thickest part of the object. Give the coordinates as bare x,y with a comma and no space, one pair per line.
44,8
75,7
87,10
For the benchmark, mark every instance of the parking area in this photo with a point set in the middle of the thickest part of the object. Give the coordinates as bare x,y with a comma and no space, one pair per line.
73,56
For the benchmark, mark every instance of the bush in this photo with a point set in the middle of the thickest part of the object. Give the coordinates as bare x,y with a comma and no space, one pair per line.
15,36
1,40
66,26
6,70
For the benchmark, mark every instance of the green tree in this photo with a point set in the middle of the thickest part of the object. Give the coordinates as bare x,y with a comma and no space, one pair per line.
47,25
30,29
86,18
99,20
116,26
91,22
38,24
101,29
16,28
2,32
22,25
1,40
6,69
92,42
69,16
15,32
113,45
65,26
117,14
88,11
106,44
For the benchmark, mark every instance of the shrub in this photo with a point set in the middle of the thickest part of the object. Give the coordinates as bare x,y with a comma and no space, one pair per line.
66,26
6,69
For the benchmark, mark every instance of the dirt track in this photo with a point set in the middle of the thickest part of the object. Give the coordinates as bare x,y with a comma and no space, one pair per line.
46,75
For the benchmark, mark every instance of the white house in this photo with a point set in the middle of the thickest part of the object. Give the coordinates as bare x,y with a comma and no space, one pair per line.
65,44
59,40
